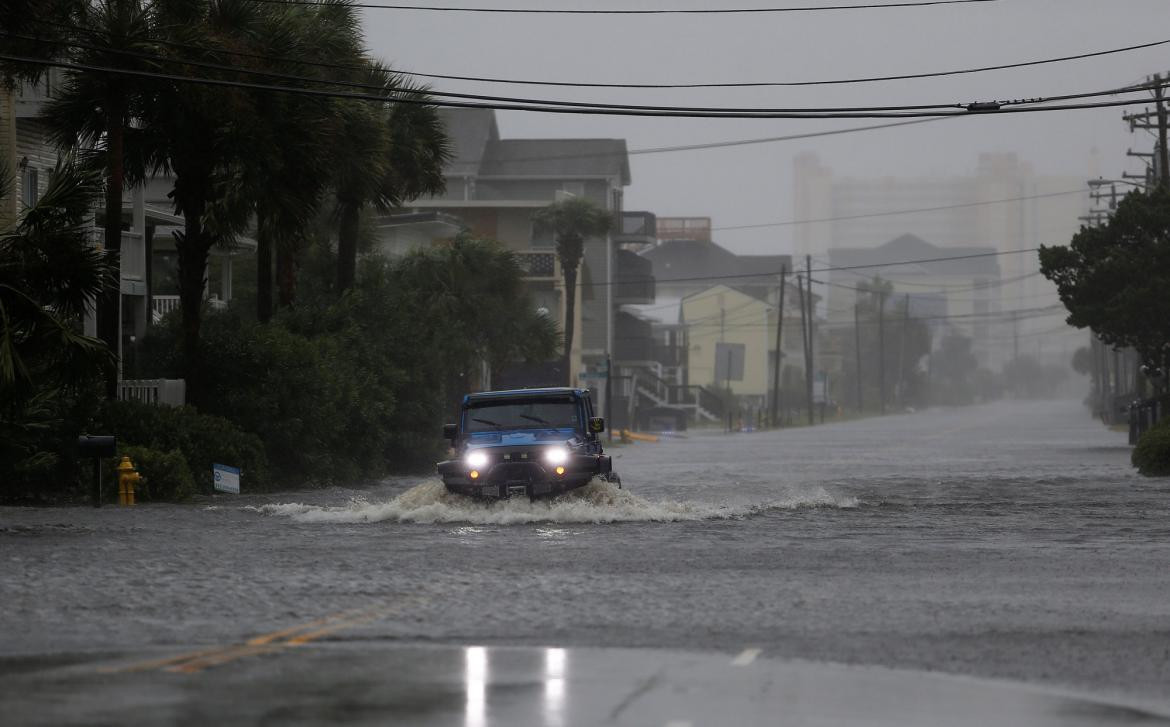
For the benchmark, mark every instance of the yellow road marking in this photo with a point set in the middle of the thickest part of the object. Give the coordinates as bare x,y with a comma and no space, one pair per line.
356,621
222,657
272,641
273,636
158,663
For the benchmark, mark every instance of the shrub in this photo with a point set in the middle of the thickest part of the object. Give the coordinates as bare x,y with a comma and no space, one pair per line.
1151,456
201,438
165,475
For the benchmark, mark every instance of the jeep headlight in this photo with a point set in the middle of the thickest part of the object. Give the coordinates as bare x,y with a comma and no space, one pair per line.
556,455
476,459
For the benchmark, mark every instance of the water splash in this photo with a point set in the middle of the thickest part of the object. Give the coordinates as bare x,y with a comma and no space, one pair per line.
597,502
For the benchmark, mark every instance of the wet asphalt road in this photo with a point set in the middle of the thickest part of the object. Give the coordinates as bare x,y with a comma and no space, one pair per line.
1009,541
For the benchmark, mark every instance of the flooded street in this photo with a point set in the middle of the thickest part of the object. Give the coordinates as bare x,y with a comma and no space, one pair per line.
1010,541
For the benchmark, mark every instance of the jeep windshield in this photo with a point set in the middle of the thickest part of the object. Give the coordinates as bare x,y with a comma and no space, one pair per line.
535,413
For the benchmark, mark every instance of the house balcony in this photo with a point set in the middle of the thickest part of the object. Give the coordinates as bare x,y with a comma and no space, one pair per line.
638,229
539,265
633,278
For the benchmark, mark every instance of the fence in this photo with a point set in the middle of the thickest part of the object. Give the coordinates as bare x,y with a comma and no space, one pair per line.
166,392
163,304
1143,415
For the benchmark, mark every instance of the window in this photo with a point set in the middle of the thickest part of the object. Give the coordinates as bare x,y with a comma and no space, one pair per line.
29,190
576,189
542,235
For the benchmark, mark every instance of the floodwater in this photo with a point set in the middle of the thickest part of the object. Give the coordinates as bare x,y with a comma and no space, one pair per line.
1011,540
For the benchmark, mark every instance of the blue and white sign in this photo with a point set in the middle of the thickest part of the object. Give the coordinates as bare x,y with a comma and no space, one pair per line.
225,478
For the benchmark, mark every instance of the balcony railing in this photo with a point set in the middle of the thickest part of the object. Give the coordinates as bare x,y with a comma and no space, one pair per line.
163,304
638,228
539,265
166,392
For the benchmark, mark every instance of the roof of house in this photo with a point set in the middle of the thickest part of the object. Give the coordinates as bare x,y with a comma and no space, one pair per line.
477,149
706,261
557,157
469,130
920,257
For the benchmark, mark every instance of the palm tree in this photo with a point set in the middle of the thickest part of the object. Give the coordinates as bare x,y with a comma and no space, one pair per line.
389,155
94,110
291,136
198,134
572,221
49,272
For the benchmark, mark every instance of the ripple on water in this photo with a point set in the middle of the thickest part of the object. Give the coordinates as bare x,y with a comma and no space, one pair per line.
597,502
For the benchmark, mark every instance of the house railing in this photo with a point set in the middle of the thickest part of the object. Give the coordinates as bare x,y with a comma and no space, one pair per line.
694,395
539,265
164,392
163,304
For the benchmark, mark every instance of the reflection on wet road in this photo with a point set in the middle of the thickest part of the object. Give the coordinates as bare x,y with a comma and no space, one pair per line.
1008,541
359,682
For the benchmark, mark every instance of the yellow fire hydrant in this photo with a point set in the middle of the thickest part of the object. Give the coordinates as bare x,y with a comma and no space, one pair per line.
128,477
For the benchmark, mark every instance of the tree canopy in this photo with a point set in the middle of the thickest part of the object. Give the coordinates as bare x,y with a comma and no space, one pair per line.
1114,278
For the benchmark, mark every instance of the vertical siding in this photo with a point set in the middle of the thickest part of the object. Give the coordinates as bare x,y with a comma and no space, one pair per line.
32,144
8,158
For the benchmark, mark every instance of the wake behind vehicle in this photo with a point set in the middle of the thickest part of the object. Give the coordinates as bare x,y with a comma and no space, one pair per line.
525,442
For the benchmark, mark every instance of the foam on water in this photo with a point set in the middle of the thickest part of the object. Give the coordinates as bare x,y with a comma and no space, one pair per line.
597,502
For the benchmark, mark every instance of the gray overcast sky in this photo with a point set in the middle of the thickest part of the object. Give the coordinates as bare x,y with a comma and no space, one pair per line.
753,184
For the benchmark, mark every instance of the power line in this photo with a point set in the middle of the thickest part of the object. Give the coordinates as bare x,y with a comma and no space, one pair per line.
899,212
591,105
410,98
776,273
954,288
631,152
665,11
766,140
477,97
569,84
1023,314
765,84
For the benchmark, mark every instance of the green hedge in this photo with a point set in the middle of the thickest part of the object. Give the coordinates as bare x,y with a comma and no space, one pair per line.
1151,456
201,439
165,475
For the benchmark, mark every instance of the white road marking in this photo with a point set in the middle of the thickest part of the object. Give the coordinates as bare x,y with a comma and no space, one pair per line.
747,656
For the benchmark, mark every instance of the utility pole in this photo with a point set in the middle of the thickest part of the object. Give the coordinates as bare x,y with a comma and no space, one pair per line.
857,350
809,377
1163,152
1015,337
779,353
609,398
882,347
804,337
902,353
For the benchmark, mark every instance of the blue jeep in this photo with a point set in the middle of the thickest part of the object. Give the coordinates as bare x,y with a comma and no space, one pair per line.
527,442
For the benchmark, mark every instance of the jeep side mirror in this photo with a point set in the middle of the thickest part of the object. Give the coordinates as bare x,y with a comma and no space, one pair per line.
450,431
596,425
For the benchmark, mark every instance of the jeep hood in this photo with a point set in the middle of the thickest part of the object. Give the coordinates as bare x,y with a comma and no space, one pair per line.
520,438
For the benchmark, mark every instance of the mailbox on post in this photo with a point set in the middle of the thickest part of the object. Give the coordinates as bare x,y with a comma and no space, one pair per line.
97,446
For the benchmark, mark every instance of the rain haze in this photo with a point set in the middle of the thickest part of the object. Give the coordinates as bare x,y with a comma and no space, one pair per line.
326,398
753,184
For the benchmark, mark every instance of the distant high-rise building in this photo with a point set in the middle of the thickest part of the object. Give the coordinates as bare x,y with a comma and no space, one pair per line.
1004,206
